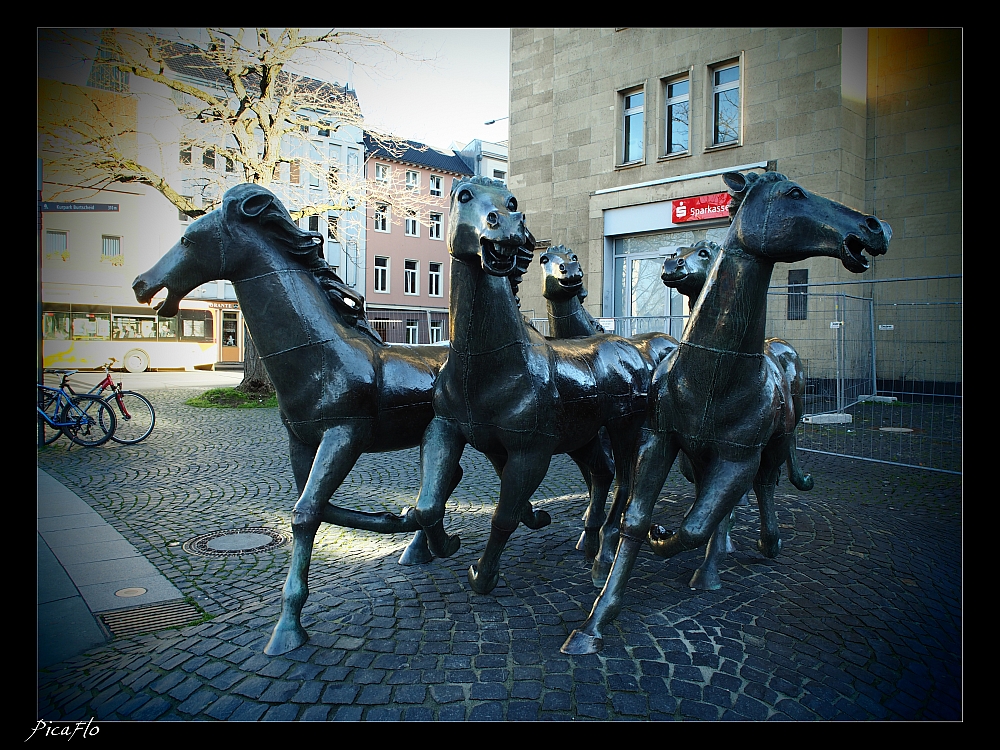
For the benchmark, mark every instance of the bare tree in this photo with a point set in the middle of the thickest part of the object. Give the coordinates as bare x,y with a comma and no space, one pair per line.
241,106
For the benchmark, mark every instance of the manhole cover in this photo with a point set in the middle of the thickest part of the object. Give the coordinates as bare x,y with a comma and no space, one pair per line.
130,592
235,542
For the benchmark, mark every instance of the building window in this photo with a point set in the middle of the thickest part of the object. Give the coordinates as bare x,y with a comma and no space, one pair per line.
111,250
678,116
314,223
323,132
798,294
434,230
412,226
726,104
57,245
435,185
381,218
411,269
382,172
499,174
412,332
434,279
331,227
381,277
208,158
230,165
436,331
180,214
632,127
352,160
185,154
412,180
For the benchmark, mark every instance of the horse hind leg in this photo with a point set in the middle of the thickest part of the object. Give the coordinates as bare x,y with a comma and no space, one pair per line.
706,577
598,471
799,480
764,483
440,451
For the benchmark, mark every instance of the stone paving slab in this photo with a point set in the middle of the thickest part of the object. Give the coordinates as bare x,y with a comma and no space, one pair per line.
859,618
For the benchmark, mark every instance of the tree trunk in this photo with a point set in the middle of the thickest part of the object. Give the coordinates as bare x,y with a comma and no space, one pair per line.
255,379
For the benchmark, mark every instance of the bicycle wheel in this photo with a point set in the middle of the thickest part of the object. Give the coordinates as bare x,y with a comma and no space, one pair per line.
88,421
135,417
49,403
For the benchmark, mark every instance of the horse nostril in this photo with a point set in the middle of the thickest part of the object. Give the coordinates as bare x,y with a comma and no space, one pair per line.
492,219
562,267
873,224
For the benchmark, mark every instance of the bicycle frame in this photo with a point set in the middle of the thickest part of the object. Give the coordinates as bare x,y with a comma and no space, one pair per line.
98,390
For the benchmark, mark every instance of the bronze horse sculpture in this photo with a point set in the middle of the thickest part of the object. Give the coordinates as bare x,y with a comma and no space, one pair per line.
341,390
509,392
687,272
718,397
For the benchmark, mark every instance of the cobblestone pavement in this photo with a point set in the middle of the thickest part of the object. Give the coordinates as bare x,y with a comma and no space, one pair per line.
859,618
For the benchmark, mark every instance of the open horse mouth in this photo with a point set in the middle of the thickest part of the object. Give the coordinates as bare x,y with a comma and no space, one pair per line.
571,282
499,259
144,293
852,254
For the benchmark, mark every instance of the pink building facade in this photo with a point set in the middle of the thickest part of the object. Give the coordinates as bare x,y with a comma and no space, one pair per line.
408,267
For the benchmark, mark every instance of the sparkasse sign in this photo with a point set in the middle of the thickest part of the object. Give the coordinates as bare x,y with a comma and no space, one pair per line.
701,208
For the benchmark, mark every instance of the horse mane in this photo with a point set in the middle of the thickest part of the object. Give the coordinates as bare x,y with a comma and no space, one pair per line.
282,231
478,180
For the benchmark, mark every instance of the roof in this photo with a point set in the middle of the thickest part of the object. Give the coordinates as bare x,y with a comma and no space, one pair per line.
418,154
188,60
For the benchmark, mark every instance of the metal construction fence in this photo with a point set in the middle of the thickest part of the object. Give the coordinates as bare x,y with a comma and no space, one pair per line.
883,365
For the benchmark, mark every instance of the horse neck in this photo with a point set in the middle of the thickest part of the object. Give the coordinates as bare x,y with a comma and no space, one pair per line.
567,318
731,312
484,314
276,291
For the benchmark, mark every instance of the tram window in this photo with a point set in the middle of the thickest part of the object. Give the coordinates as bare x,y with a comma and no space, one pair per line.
166,328
133,327
91,326
197,325
55,325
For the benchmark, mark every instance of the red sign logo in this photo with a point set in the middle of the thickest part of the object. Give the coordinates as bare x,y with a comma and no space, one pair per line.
701,207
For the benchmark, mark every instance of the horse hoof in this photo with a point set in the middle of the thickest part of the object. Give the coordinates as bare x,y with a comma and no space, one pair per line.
580,643
704,581
536,519
449,547
658,536
769,550
480,584
417,552
285,639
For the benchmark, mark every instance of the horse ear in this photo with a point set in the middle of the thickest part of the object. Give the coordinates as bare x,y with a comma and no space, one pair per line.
738,183
255,204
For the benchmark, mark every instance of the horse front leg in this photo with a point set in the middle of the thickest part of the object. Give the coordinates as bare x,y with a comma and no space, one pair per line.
533,519
332,460
418,551
440,451
522,474
625,442
656,454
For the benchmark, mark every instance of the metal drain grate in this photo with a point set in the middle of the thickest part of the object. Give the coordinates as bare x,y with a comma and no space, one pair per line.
229,542
149,619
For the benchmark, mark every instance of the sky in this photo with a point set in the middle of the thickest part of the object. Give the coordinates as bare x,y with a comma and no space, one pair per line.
448,84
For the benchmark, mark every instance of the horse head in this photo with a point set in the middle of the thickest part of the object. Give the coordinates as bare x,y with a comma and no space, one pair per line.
688,270
778,220
562,277
485,228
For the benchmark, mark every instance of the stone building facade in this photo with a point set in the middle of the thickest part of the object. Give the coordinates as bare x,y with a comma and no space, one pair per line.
617,136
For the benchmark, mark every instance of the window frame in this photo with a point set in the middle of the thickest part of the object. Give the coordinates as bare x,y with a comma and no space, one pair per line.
208,158
797,307
436,228
411,226
413,184
381,272
411,277
436,331
714,91
436,185
435,277
381,172
412,331
631,112
669,102
63,252
116,258
382,217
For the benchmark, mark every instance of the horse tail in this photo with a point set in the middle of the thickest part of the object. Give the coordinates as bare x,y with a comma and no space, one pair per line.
795,476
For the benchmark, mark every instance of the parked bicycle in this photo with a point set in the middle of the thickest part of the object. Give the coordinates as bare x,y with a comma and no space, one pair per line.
85,419
134,412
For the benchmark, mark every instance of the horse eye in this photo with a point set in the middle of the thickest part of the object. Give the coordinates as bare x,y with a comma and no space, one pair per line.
704,253
465,196
185,242
796,193
544,259
512,204
573,258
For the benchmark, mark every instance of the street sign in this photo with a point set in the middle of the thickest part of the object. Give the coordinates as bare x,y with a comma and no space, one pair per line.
56,206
